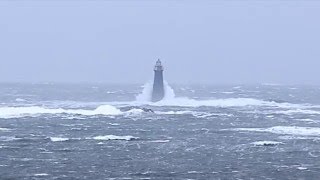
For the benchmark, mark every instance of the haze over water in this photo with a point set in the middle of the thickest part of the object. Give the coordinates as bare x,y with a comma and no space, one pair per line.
242,93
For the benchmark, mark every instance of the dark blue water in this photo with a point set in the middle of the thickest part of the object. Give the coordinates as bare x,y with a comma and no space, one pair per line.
98,131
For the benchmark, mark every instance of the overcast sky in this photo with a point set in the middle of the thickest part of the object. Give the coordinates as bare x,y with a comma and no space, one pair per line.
216,42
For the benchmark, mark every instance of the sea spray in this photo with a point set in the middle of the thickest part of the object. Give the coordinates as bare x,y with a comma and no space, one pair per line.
146,94
170,99
169,92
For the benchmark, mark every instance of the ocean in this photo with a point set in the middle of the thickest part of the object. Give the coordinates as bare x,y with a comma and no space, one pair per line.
100,131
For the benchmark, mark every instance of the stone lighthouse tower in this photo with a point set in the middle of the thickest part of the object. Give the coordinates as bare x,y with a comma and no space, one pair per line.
158,89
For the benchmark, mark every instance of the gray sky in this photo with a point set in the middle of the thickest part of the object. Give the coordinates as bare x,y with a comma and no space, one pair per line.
198,41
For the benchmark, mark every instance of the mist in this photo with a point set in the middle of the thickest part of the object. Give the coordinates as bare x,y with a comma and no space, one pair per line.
221,42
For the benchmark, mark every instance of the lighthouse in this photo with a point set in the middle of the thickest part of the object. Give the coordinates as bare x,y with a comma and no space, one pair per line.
158,89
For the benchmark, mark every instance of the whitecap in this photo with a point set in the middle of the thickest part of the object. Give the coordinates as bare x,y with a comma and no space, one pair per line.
59,139
5,129
9,138
266,143
20,100
293,88
227,92
113,137
194,172
41,174
302,168
134,112
173,112
114,124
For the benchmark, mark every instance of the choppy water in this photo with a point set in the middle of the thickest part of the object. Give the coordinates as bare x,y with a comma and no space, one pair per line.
50,131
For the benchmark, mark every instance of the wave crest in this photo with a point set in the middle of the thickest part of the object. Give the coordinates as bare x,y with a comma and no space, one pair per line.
16,112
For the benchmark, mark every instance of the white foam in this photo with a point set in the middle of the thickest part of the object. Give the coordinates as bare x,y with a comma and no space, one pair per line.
286,130
5,129
302,168
9,138
266,143
58,139
173,112
202,114
134,112
113,137
227,92
20,100
171,100
114,124
227,102
15,112
293,88
41,174
104,110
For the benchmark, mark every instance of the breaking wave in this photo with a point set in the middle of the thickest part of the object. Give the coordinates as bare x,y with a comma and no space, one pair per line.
110,110
229,102
170,99
16,112
169,92
146,94
143,99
